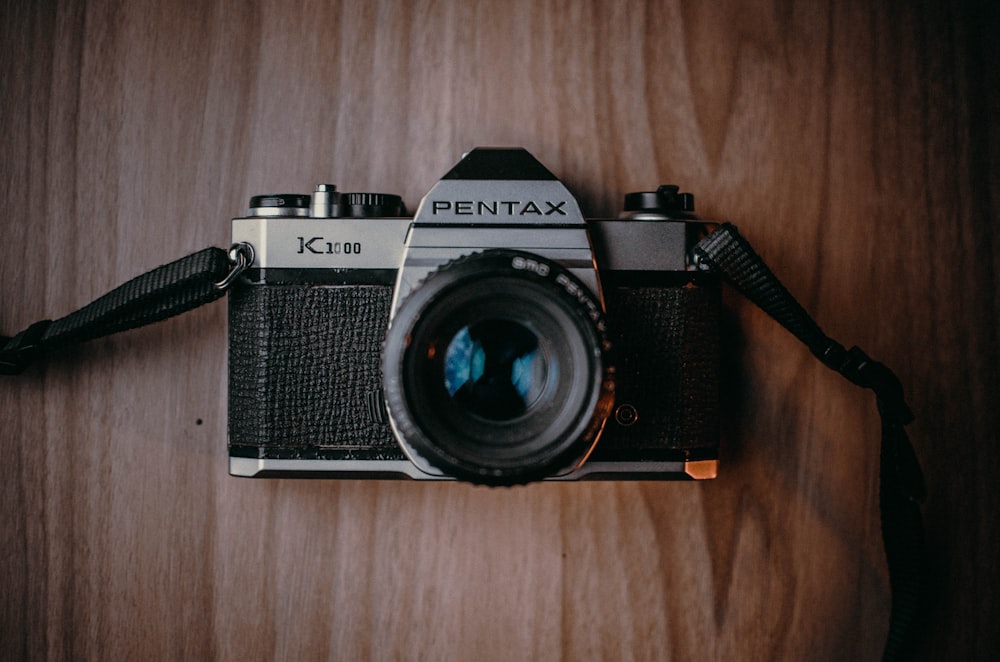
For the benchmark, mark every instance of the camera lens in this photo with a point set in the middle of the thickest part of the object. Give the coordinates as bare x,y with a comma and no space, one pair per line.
496,369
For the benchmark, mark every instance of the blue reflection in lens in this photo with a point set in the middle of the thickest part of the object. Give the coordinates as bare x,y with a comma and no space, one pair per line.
494,369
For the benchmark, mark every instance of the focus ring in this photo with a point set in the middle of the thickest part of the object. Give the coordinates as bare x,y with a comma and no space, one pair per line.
500,291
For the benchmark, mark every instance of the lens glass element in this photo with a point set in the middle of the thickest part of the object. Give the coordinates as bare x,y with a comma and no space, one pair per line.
495,369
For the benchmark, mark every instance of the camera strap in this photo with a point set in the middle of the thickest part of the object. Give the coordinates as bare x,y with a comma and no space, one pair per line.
901,480
205,276
166,291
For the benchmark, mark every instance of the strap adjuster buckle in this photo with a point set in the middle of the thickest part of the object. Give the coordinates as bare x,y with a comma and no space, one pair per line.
18,352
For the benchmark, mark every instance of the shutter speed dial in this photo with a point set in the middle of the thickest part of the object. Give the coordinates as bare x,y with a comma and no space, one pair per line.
327,202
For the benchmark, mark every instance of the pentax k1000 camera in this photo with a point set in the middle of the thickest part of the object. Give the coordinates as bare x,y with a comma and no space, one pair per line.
496,336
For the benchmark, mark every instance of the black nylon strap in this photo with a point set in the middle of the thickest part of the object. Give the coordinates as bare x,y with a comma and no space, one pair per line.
156,295
901,481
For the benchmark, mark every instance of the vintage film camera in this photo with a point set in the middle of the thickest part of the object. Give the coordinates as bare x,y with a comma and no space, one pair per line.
497,336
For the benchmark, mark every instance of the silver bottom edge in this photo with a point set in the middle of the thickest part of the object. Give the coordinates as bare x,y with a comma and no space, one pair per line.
403,469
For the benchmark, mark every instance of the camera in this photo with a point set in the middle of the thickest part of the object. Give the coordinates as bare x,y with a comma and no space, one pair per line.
496,336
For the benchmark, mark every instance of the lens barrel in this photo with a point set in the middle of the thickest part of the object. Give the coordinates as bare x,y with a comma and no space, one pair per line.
496,369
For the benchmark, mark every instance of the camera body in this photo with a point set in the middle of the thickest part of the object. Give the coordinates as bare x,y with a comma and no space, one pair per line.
497,336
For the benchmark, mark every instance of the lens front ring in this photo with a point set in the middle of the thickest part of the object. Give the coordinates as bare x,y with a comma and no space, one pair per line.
496,369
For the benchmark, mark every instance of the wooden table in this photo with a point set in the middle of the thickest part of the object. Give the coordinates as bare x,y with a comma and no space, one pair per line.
855,146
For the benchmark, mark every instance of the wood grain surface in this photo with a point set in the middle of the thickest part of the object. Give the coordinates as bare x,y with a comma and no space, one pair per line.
853,142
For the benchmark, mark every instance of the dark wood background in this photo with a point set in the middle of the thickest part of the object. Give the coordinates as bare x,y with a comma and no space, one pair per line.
853,142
